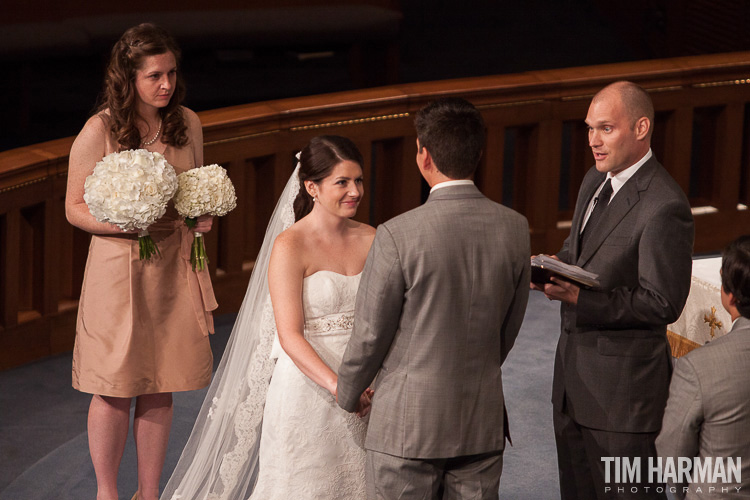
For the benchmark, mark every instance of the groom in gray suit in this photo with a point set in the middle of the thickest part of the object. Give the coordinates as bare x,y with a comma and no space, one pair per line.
442,297
707,413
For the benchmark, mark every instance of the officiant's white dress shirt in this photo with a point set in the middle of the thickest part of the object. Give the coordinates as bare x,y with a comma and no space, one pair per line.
618,180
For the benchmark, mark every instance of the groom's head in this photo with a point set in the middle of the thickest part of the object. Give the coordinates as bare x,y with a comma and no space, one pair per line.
453,132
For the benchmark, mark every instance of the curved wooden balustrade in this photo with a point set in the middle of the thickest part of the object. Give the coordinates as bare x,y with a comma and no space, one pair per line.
536,156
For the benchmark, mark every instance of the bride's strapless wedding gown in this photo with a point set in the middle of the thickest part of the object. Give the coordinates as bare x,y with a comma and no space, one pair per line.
310,449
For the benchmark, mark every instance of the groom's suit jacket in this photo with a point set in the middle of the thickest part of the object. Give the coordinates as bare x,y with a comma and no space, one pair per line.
707,412
440,303
612,365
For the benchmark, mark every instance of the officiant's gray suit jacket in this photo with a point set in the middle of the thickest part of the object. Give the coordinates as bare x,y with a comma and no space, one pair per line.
612,365
707,412
440,303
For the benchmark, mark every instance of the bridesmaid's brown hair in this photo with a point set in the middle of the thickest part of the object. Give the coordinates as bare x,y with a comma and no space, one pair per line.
119,95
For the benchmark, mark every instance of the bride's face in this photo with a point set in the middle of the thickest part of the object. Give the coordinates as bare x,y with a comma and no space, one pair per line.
340,192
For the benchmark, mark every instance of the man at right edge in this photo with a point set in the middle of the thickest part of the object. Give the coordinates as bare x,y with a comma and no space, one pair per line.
612,366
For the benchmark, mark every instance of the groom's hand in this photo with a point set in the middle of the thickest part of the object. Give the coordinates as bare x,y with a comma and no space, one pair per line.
365,403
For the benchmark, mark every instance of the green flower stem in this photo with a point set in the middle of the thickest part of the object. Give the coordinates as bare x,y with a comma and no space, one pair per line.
198,257
146,246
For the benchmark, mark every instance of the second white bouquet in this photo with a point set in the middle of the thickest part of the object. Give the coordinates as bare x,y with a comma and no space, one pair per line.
131,189
203,191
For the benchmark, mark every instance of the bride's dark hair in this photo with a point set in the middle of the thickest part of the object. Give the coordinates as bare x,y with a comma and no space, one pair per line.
317,160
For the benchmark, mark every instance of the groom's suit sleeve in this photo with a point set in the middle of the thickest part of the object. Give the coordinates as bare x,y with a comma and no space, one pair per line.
376,319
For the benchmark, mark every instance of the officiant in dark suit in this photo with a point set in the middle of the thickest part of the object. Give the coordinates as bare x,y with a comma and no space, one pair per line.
632,226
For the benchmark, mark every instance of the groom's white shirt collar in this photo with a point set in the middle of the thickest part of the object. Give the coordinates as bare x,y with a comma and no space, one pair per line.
460,182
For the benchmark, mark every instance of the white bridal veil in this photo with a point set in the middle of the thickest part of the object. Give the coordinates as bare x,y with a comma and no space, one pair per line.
220,460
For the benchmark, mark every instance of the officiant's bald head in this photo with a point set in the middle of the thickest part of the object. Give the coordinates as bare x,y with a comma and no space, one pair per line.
635,100
453,132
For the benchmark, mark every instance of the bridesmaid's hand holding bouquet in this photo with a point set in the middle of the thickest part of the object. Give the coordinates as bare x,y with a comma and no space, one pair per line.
203,191
131,189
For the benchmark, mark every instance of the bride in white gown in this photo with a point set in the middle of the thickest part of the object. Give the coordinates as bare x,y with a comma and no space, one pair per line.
290,436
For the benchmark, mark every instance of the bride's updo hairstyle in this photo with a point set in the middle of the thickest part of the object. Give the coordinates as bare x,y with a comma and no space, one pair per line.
317,161
120,95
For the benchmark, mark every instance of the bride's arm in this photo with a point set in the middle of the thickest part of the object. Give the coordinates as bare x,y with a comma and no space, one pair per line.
285,275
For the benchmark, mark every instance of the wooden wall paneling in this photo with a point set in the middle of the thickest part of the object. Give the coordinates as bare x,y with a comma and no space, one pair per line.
518,160
230,227
542,186
31,282
703,155
582,160
384,156
366,205
725,192
11,268
575,154
490,172
51,262
258,201
398,185
714,231
283,165
745,160
675,146
413,190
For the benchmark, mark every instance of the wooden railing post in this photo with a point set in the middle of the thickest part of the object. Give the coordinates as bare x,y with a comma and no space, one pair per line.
11,271
726,191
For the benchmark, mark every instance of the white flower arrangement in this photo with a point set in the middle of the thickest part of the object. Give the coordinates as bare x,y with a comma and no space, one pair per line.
203,191
131,189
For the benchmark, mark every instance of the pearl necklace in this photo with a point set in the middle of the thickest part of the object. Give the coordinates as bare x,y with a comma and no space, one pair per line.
148,143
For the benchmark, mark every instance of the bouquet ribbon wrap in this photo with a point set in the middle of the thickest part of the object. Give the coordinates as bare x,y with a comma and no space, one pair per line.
203,191
205,301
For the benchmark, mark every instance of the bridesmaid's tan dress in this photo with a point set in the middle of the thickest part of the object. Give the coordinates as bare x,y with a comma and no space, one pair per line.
143,325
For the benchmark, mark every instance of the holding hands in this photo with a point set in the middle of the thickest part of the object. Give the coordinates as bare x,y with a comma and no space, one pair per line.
365,402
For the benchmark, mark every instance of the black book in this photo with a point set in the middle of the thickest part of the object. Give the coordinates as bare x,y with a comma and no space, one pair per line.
543,267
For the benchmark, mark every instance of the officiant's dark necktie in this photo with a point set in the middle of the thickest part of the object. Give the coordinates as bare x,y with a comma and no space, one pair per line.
600,205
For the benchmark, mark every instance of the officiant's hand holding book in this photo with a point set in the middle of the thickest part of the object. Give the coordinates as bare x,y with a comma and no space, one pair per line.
543,267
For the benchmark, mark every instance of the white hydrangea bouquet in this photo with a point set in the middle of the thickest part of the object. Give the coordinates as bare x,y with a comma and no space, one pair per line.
131,189
202,191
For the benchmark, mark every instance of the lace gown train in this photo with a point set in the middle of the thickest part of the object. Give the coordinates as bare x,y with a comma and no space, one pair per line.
309,447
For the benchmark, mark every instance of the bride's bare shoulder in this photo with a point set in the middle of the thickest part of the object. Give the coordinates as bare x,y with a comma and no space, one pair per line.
292,242
362,229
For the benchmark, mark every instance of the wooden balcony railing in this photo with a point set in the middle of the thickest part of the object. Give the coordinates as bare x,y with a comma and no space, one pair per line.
536,156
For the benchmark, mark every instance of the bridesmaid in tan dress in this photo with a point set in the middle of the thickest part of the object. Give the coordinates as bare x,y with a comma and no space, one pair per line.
142,325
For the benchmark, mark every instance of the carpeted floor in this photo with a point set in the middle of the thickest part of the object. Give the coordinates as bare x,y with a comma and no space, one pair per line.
44,449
